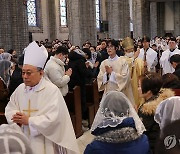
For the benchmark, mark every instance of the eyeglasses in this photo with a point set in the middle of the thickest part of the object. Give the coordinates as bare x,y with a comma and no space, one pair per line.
28,73
111,46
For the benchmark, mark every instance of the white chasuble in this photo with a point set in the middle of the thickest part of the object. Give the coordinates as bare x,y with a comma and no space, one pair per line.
151,58
164,61
50,130
119,79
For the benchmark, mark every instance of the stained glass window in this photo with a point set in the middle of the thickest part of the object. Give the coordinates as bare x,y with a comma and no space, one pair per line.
97,14
31,12
63,13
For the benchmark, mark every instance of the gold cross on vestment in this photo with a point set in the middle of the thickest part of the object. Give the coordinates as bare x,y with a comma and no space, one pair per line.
29,110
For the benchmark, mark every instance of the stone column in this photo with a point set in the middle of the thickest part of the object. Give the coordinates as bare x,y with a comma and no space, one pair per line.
137,18
13,25
119,18
88,21
82,21
169,17
153,19
160,18
52,20
73,11
177,18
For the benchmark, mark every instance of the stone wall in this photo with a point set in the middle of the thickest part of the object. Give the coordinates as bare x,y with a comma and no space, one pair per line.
13,25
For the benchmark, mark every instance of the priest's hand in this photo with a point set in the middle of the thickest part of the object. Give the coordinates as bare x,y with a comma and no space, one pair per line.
136,54
108,69
20,118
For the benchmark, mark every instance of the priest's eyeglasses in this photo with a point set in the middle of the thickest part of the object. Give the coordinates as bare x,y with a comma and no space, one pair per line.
28,73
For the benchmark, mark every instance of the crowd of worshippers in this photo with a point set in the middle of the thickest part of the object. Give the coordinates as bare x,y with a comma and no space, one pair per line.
137,78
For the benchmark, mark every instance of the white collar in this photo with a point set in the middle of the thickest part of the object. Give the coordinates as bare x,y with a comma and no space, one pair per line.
113,59
32,89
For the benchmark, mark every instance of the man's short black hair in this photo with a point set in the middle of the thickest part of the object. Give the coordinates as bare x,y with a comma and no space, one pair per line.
87,51
145,39
172,39
113,42
175,58
151,82
62,49
154,45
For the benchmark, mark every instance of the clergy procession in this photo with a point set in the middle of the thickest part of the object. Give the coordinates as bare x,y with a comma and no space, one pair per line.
137,84
90,77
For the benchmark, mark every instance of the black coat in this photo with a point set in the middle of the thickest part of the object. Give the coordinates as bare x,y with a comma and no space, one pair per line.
79,70
15,80
152,128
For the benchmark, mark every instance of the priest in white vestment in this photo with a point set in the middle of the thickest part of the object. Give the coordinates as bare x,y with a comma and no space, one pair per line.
38,107
114,73
164,60
148,55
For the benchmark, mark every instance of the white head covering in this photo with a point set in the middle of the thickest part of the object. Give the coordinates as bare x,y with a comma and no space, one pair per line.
114,108
5,67
5,56
80,52
168,111
35,55
12,140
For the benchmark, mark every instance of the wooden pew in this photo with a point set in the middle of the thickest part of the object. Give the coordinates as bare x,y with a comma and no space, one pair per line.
73,102
177,92
2,116
92,99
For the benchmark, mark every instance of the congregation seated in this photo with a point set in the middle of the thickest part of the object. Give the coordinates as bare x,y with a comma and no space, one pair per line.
117,128
152,92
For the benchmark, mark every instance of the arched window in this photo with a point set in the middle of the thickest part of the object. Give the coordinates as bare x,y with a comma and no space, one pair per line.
97,14
32,12
63,13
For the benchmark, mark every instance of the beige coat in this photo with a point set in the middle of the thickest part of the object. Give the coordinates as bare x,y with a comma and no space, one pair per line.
55,72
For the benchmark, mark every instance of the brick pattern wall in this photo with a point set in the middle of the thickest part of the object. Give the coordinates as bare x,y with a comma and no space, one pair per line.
13,25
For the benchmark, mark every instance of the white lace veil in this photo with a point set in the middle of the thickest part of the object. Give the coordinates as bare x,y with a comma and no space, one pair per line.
5,56
13,141
168,111
114,108
5,67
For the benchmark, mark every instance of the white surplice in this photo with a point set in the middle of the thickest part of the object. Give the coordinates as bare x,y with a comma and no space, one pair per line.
164,61
119,79
50,129
151,58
